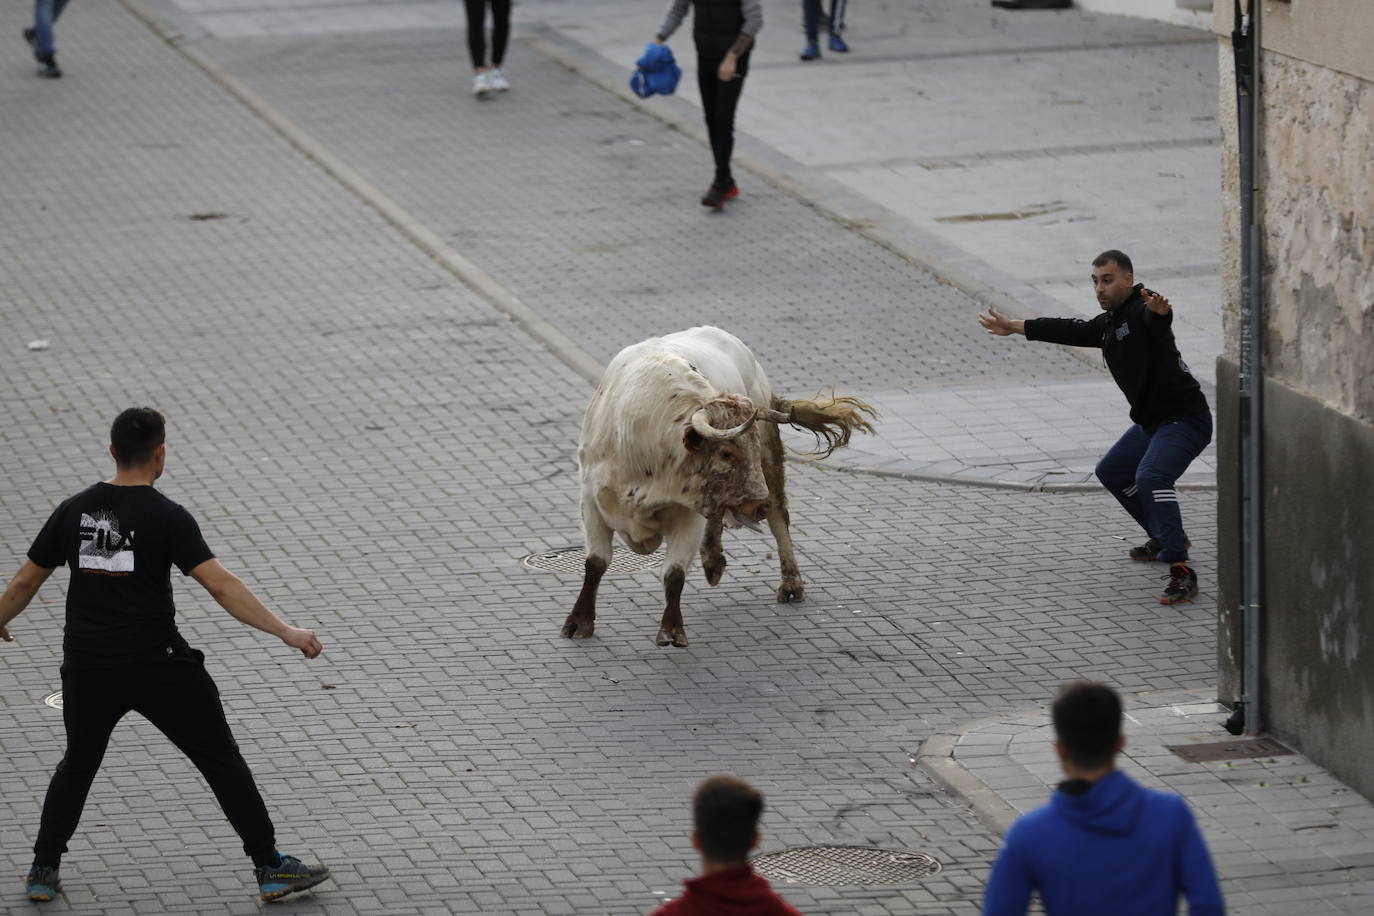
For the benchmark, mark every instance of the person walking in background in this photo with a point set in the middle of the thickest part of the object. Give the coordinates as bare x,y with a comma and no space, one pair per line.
487,79
122,651
811,25
724,33
41,37
1103,844
725,821
1173,423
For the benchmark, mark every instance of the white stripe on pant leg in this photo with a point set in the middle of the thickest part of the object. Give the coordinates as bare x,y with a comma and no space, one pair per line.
1130,491
1166,496
837,16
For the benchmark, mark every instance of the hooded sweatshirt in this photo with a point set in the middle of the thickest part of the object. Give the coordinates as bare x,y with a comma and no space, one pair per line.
1109,847
732,892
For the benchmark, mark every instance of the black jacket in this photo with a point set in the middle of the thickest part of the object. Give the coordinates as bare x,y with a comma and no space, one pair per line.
1140,351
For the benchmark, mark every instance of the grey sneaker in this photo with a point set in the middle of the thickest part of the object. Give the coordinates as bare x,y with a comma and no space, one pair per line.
290,876
42,884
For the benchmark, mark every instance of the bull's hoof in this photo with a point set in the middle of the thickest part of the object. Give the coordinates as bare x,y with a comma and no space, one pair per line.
714,571
790,590
677,636
578,629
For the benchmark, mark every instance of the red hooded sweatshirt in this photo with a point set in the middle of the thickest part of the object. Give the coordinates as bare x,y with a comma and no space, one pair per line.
732,892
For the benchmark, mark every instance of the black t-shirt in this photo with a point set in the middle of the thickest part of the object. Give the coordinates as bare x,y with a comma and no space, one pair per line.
120,543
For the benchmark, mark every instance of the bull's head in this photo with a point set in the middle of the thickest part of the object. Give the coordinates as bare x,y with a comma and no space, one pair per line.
723,457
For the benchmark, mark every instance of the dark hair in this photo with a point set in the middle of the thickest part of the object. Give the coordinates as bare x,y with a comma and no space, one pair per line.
1087,720
725,811
1111,254
135,434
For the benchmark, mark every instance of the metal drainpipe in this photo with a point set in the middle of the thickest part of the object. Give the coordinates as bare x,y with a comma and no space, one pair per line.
1246,45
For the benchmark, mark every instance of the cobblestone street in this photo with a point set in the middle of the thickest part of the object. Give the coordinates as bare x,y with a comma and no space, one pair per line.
374,446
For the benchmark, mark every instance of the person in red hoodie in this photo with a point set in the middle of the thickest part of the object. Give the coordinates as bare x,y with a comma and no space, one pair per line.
725,817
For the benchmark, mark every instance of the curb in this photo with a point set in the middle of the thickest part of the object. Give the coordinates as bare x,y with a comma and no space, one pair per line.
936,757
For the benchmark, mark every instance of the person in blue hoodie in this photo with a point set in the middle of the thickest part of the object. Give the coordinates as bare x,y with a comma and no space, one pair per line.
1103,844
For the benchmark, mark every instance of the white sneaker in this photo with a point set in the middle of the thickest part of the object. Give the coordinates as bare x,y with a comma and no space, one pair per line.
497,80
481,84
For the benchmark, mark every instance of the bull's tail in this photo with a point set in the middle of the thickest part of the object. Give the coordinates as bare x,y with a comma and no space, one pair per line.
831,419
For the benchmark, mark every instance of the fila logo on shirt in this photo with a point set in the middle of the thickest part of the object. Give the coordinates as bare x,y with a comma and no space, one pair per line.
103,547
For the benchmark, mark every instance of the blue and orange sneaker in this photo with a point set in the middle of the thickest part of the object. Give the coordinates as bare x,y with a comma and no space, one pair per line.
837,44
290,875
42,883
812,51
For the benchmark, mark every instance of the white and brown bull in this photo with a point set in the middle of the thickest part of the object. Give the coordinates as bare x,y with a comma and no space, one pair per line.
681,439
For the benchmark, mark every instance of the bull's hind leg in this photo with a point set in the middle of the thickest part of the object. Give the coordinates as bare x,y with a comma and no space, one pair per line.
581,623
712,556
790,586
682,546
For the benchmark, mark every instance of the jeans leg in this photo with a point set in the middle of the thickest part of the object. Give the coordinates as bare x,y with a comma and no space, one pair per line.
186,708
45,13
811,20
1117,472
93,702
1173,446
837,16
722,127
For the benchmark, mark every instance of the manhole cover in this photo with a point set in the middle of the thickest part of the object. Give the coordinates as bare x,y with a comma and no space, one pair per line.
54,700
839,865
571,559
1230,750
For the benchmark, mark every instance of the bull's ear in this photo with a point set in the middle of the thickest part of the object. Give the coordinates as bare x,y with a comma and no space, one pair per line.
693,440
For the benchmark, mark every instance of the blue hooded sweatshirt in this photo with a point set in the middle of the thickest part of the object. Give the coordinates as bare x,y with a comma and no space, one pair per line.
1115,848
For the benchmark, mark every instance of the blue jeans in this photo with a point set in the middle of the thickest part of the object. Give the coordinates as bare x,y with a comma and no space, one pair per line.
1140,471
45,13
811,18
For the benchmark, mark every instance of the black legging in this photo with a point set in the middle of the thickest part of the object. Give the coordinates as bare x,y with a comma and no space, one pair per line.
500,31
719,100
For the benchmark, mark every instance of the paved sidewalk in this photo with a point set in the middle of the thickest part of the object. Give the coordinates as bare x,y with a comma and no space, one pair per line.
1285,836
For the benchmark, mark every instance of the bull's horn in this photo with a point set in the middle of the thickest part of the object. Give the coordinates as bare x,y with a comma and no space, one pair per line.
773,416
702,424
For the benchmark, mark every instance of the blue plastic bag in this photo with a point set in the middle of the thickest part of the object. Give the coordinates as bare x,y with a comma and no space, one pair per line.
657,73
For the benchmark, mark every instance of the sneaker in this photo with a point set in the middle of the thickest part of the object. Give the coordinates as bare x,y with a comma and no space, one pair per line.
1149,550
1182,585
290,876
837,45
496,80
812,51
481,84
48,69
716,196
42,884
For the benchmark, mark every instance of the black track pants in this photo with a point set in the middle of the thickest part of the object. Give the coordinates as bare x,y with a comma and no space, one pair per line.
172,690
477,27
719,101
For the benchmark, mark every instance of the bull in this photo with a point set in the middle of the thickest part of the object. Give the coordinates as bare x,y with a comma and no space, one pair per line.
680,440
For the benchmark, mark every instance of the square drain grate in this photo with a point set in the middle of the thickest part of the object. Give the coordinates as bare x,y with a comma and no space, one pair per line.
832,866
1244,749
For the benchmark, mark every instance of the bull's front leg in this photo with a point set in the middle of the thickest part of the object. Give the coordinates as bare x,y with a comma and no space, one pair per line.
685,533
712,556
790,586
581,623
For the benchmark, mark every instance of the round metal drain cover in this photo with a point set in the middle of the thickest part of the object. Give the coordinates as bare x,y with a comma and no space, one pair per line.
54,700
838,865
571,559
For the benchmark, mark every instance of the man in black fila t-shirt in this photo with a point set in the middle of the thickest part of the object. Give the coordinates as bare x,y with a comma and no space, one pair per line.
122,651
